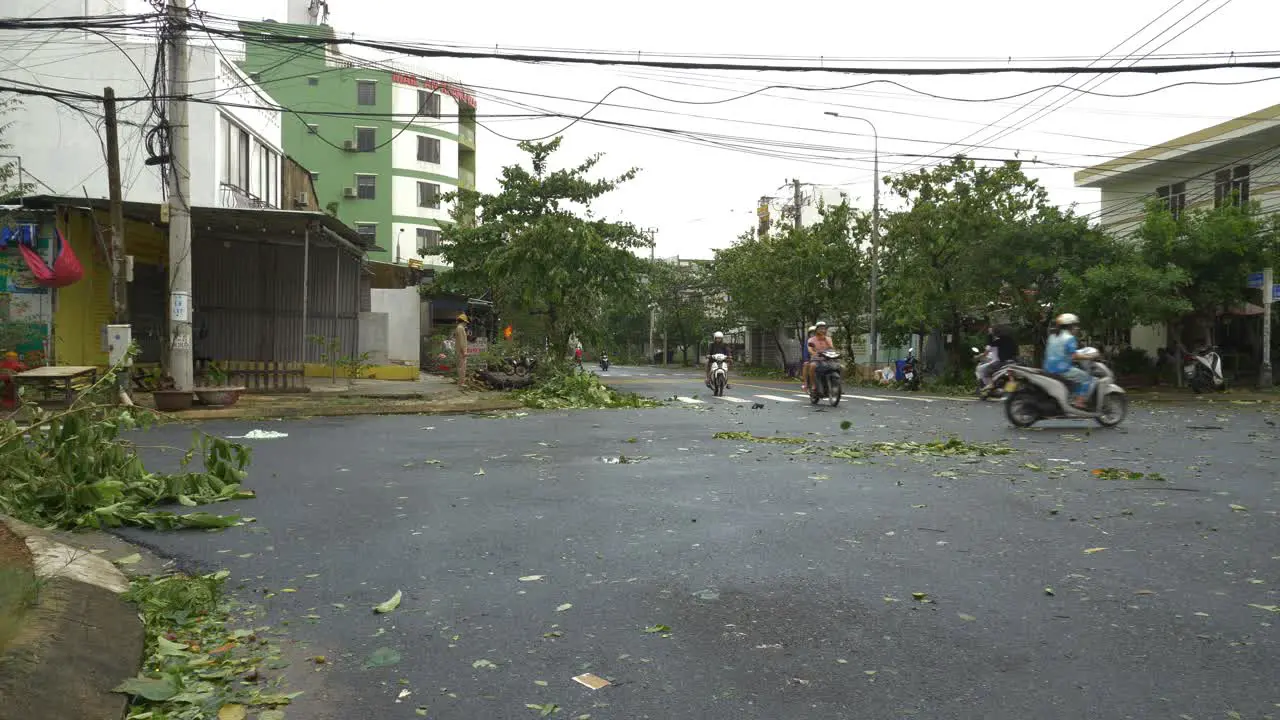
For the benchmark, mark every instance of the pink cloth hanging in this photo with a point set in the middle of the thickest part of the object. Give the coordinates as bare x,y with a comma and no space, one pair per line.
66,268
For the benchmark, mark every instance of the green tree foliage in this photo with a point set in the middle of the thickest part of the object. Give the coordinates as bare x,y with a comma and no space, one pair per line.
684,297
536,247
1125,291
794,277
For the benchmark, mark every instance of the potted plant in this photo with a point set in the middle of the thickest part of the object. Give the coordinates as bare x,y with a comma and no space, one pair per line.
217,392
169,399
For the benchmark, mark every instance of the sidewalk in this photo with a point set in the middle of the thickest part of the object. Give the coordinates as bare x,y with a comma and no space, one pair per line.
1184,395
430,394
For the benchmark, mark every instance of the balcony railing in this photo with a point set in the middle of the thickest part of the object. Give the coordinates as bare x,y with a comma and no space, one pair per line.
232,196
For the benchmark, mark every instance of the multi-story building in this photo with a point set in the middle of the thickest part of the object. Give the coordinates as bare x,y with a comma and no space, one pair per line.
236,154
383,143
1237,161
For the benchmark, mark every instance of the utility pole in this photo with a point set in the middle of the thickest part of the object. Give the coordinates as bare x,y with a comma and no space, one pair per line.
795,186
653,311
181,358
119,297
1268,295
875,232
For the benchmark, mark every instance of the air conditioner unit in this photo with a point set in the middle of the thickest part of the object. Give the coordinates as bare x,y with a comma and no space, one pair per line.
302,198
348,144
348,192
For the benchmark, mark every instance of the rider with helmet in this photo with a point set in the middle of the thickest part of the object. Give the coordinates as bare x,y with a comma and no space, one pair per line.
1060,353
718,346
817,344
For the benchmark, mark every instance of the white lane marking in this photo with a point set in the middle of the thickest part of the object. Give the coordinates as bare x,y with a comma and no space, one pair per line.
775,398
691,401
726,398
870,398
803,395
917,399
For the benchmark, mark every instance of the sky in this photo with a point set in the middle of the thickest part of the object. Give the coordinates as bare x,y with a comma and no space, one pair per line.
700,198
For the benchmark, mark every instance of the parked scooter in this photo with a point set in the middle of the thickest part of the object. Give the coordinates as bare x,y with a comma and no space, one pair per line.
828,378
604,362
719,373
911,371
1034,394
1203,370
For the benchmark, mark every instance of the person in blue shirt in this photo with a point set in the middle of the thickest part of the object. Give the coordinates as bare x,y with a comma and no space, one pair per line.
1060,354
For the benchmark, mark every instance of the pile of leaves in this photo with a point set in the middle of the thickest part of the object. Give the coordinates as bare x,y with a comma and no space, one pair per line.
774,440
195,667
578,390
75,469
951,447
1111,473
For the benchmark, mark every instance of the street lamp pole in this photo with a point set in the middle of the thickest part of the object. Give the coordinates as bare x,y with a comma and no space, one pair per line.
875,231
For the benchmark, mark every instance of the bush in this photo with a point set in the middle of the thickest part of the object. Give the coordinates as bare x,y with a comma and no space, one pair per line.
558,388
1132,361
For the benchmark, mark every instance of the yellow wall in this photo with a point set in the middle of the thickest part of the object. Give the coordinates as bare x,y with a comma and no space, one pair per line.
83,308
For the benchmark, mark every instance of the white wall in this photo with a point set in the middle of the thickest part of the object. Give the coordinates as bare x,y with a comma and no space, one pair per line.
62,149
407,242
403,308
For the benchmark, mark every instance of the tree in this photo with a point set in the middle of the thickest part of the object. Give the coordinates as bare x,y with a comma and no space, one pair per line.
1115,296
1216,249
681,294
537,248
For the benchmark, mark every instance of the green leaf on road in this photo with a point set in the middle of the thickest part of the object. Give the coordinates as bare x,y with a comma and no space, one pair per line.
382,657
485,664
1237,508
544,710
271,715
155,689
657,629
562,608
133,559
389,605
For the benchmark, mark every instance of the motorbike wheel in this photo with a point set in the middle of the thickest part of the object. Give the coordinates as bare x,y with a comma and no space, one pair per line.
1021,409
1201,381
835,392
1114,409
814,396
521,370
717,386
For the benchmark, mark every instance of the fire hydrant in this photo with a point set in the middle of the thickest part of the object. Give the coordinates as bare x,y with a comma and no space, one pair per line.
9,366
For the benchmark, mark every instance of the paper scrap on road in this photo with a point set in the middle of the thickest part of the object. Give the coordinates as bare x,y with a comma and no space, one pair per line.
259,435
595,682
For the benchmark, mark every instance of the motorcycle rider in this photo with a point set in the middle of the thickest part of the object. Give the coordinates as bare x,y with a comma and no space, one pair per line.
818,344
718,346
1002,349
1060,353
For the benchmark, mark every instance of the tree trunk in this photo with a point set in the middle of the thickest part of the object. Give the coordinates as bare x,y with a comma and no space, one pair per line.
782,354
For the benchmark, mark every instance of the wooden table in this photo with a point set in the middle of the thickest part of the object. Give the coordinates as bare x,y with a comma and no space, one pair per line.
59,384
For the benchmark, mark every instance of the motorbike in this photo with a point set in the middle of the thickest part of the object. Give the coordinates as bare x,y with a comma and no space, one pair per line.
604,362
719,373
1033,395
998,378
1203,370
522,365
911,371
827,378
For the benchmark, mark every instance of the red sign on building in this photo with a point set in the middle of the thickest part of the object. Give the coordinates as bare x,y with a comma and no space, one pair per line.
453,91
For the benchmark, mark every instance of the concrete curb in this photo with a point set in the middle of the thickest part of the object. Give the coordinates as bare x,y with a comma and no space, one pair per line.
80,640
470,403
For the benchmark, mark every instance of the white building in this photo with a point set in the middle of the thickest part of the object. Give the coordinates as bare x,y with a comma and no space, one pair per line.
1232,162
235,158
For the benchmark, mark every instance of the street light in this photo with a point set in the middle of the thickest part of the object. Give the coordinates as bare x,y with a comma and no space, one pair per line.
875,228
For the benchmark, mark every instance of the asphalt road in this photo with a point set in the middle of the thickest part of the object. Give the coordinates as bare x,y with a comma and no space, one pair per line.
786,579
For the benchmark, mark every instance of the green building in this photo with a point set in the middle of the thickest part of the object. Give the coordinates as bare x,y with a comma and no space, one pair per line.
383,144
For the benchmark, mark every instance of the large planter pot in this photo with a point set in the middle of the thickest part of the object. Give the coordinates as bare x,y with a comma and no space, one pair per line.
172,400
219,396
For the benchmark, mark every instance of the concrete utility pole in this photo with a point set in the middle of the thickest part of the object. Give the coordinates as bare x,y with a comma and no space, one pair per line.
1268,295
795,186
653,311
181,358
119,296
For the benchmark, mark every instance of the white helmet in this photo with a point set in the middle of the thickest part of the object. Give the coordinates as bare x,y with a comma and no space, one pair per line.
812,328
718,336
819,324
1066,319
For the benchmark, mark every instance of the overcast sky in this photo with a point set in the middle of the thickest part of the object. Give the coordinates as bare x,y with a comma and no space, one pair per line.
701,198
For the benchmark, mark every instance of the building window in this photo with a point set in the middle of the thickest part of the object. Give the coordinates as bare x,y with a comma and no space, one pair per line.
313,81
428,104
1231,186
235,155
428,149
313,129
366,92
366,186
366,139
1173,198
428,195
428,241
369,231
315,176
